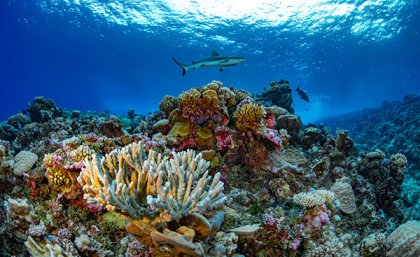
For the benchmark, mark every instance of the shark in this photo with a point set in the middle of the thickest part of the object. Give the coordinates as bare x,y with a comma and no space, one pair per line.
214,60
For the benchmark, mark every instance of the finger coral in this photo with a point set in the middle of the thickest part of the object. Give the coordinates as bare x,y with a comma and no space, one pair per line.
185,186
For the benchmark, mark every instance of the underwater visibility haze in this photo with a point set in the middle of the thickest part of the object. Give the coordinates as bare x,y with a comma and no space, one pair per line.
116,55
136,128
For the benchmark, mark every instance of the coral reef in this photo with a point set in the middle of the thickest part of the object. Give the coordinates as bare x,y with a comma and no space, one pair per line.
404,241
279,94
392,128
215,172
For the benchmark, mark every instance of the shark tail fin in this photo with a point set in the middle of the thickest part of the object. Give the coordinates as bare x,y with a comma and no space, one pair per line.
183,66
297,89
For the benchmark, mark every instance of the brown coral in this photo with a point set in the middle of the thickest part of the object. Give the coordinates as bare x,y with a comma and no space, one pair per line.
226,96
190,103
214,85
168,104
210,100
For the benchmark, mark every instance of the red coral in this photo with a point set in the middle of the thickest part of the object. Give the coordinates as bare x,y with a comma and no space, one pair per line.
224,138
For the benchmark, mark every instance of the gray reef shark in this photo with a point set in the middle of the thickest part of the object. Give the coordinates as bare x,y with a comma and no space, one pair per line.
214,60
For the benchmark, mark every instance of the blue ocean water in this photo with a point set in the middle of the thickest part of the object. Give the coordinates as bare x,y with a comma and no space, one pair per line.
116,55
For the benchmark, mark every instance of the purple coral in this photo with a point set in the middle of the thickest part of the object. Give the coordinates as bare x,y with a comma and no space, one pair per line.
137,249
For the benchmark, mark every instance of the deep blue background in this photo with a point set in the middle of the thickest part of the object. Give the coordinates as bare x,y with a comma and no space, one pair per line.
84,62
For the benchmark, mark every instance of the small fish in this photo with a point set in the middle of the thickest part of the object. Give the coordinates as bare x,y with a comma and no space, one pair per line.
214,60
302,94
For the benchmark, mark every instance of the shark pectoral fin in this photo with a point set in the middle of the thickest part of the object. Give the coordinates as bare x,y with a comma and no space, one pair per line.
221,69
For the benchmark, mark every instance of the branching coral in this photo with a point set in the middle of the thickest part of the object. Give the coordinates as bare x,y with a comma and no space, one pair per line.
176,194
121,179
315,198
174,187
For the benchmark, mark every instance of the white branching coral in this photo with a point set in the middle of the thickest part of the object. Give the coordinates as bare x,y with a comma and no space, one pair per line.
174,187
121,179
315,198
184,186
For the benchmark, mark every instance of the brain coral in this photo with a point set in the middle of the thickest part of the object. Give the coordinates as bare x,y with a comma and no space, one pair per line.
344,193
405,240
249,116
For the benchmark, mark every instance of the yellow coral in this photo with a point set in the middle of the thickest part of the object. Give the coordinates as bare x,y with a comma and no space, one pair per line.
180,129
210,100
190,97
59,178
48,160
204,137
227,96
315,198
249,116
80,153
214,85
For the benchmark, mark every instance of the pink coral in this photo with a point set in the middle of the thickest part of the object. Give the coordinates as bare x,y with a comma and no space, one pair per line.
224,138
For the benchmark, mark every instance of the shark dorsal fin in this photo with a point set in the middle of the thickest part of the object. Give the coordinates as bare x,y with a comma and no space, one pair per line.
214,53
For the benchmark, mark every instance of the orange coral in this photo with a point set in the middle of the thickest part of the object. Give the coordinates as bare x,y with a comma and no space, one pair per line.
210,100
190,103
